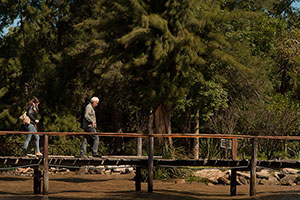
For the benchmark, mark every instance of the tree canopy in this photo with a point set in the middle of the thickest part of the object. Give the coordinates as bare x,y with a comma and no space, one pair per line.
232,62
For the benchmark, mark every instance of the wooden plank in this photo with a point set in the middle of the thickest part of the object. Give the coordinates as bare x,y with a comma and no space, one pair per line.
143,161
253,168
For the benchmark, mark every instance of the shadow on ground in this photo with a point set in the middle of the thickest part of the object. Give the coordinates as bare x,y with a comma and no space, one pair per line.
160,195
13,179
78,180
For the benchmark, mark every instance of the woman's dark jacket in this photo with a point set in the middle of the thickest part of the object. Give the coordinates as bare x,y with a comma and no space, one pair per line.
32,113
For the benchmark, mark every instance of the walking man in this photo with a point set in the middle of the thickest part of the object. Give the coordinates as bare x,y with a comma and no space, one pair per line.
90,125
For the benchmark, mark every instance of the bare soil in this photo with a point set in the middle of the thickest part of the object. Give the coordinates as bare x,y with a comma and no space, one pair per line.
122,187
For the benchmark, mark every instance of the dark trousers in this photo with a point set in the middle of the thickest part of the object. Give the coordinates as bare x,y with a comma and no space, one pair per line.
87,140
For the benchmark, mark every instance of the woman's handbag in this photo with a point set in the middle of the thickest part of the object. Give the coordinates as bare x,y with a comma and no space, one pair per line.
24,118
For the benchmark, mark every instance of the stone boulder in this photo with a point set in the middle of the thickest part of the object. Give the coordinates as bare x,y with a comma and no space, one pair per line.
211,174
289,171
271,180
288,180
264,174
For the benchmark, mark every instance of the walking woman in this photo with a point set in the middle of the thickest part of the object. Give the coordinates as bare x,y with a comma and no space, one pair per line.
32,109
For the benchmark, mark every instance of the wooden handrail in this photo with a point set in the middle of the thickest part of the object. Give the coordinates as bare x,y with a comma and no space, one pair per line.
73,133
173,135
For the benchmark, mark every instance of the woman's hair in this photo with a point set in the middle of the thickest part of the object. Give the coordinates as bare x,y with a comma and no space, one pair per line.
35,100
32,101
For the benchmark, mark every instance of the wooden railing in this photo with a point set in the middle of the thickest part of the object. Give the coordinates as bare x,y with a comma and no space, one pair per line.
150,137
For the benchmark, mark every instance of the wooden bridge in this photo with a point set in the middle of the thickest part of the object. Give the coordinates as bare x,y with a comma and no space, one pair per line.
41,165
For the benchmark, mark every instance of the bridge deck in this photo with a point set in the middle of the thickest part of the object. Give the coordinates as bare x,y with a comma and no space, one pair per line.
141,161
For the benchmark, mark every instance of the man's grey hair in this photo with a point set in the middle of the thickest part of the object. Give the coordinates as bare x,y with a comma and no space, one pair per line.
94,99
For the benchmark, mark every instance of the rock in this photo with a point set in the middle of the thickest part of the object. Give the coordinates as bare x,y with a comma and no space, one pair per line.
120,170
273,180
224,180
128,171
244,174
270,181
99,170
53,169
278,175
83,170
178,181
242,180
288,180
263,174
210,173
289,171
210,184
213,180
92,171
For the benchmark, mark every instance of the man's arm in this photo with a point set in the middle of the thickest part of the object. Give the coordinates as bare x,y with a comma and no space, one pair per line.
89,114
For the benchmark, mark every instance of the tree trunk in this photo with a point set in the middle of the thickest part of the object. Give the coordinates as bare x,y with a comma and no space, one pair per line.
118,142
196,140
150,123
163,123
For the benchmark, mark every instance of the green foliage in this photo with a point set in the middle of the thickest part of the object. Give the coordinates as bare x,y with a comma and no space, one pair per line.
209,148
233,62
65,123
12,145
166,174
293,150
65,145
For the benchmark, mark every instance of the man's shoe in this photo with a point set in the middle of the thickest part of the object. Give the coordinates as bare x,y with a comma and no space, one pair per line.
97,155
82,156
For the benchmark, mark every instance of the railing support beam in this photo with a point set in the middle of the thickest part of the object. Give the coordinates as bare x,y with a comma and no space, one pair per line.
253,167
37,181
45,167
150,163
233,182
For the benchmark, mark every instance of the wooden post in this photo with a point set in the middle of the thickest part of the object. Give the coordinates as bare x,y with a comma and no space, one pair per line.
233,182
139,146
37,181
196,140
138,177
234,148
253,167
45,167
150,163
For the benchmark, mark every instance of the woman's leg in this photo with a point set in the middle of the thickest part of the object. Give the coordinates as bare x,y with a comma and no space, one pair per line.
25,145
31,128
37,143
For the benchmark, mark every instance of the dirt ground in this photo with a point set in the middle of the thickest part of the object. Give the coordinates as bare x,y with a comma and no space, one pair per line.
122,187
